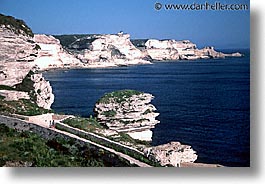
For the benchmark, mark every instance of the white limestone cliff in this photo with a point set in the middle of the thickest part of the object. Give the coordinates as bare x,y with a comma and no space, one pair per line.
112,50
131,114
43,91
173,153
17,53
12,95
174,50
52,55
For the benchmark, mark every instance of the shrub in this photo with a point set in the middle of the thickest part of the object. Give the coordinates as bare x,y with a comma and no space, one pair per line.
37,47
118,96
4,87
29,147
16,25
110,113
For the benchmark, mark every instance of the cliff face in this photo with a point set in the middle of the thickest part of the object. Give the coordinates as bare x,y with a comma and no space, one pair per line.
18,52
43,91
108,50
128,111
52,55
174,50
173,153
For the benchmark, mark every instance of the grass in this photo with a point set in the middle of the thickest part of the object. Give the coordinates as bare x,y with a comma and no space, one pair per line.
91,124
87,124
29,147
22,107
118,96
16,25
125,138
116,147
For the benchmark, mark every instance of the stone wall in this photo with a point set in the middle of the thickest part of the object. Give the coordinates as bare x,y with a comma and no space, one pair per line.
46,133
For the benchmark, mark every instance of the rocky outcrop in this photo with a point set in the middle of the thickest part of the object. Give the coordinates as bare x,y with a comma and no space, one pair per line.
43,91
52,55
128,111
16,47
17,53
109,50
173,153
174,50
12,73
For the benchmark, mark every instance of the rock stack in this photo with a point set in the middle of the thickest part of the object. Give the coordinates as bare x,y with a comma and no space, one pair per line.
128,111
43,91
171,154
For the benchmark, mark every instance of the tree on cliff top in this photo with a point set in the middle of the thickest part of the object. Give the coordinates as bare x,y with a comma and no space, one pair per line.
16,25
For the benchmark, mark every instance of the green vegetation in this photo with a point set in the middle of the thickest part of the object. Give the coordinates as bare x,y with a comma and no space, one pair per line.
22,107
27,86
21,147
139,42
66,40
118,96
37,47
147,112
110,113
108,144
4,87
125,138
133,121
16,25
88,124
116,53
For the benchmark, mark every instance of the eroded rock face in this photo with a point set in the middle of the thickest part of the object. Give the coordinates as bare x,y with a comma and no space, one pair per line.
17,53
173,153
16,47
174,50
11,95
128,111
43,91
110,50
12,73
52,55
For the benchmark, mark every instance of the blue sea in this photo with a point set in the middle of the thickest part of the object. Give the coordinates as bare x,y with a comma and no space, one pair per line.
202,103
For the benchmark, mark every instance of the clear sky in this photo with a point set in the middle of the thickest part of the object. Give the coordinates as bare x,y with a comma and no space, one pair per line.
222,29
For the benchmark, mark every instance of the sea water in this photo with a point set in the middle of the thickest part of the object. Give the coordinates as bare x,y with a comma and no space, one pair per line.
202,103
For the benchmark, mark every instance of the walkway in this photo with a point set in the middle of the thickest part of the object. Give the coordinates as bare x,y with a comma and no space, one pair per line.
44,125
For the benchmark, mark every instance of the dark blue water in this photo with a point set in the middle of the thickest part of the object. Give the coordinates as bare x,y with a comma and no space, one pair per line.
203,103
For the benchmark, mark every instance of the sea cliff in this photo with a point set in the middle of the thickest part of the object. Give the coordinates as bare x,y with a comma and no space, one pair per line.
130,112
24,91
18,54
